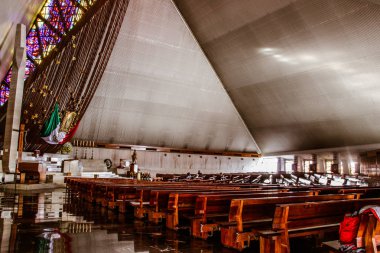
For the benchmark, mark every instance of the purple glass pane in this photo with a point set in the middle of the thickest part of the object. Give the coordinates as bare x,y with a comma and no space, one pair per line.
32,46
8,76
4,93
29,68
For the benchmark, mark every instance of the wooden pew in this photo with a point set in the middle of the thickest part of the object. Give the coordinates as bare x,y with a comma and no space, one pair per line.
138,196
113,192
247,214
142,201
181,205
160,204
211,209
143,196
119,196
159,199
139,204
366,192
304,219
88,188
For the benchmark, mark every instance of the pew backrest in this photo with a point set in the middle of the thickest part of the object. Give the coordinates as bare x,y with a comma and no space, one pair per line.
243,210
300,215
216,203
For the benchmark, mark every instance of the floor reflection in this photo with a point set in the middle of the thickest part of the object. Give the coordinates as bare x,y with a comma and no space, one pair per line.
53,222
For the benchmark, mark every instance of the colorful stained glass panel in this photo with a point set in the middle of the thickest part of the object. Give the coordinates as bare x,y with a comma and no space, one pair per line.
56,19
8,76
29,68
4,93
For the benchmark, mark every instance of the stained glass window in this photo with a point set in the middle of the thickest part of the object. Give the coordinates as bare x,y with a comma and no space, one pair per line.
29,67
7,78
56,19
4,93
4,87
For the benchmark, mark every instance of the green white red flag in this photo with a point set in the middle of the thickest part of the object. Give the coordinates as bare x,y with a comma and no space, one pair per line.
50,132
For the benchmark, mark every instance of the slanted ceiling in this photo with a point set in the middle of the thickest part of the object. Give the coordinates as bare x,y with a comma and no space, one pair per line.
289,74
13,12
159,89
302,74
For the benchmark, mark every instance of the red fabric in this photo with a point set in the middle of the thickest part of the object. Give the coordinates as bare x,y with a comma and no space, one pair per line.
375,210
70,134
348,229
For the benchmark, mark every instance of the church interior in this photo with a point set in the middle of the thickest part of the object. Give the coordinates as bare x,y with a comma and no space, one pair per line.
190,126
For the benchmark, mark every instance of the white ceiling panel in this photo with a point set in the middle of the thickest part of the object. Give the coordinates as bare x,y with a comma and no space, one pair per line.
159,89
303,74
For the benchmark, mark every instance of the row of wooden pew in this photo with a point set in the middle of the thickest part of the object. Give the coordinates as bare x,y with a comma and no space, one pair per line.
268,213
285,179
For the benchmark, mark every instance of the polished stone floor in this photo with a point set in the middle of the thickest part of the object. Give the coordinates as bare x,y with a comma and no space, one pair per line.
49,221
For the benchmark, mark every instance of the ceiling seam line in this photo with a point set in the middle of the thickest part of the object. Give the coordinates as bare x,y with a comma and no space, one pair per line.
217,76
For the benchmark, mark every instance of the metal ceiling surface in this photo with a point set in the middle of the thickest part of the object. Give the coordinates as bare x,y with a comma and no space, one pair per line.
159,89
303,74
13,12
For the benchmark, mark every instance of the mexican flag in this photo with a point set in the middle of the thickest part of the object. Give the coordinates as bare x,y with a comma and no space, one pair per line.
50,132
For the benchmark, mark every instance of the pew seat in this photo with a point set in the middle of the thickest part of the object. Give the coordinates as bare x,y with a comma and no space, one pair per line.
247,216
212,210
305,219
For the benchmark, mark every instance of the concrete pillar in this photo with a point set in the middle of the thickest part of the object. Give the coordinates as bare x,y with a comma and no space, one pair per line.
321,166
314,163
280,164
345,167
335,164
296,164
354,164
357,165
16,90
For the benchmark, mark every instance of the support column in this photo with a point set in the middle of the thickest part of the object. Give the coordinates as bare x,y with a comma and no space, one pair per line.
321,165
314,164
280,164
345,167
335,164
357,165
295,166
16,91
